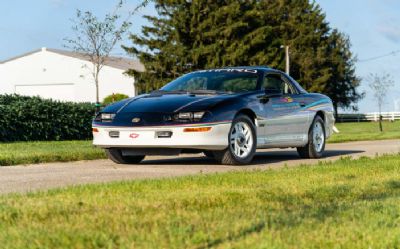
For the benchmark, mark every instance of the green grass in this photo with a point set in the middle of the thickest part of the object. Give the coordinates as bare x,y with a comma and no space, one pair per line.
40,152
365,131
345,204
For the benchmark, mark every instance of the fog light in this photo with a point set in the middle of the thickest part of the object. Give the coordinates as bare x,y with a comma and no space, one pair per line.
163,134
114,134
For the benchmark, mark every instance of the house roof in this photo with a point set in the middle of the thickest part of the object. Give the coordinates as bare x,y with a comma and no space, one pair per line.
112,61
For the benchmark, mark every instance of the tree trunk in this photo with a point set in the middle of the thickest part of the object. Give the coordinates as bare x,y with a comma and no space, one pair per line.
335,108
96,81
380,116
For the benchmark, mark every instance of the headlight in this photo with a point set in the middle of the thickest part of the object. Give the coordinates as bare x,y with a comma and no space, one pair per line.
185,115
196,116
107,117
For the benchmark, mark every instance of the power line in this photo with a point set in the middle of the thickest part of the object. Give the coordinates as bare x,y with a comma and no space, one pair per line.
380,56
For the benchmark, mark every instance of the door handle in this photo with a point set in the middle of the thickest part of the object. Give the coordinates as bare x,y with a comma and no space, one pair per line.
302,104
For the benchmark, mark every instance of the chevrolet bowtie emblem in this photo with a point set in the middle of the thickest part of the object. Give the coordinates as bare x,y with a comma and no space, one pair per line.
135,120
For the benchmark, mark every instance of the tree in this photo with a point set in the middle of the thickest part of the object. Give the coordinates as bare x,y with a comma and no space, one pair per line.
343,81
97,38
199,34
380,85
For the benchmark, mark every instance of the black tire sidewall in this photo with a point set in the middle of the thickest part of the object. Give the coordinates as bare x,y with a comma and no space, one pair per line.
116,156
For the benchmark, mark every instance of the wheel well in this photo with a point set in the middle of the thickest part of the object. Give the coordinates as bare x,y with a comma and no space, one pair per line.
248,113
321,114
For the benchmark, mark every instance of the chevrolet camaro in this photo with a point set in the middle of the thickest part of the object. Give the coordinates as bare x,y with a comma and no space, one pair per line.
224,113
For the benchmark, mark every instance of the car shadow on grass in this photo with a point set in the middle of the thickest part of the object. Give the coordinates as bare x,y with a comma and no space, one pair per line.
263,157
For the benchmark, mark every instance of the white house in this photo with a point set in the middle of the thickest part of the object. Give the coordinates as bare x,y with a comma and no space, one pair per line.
65,75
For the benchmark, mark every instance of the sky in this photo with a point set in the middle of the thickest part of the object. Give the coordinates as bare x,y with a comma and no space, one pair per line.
372,25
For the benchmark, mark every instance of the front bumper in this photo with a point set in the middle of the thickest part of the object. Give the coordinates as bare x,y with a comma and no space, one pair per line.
146,137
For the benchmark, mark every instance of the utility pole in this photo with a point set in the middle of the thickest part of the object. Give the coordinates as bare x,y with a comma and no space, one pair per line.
287,58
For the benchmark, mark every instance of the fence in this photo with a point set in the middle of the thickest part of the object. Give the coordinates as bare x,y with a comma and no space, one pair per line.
367,117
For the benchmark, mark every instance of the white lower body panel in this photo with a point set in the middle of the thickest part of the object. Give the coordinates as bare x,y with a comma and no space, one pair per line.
146,137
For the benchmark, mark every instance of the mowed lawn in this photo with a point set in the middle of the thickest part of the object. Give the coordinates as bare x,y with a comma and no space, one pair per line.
345,204
53,151
365,131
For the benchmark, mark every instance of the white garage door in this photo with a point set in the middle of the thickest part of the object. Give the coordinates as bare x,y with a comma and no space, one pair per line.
63,92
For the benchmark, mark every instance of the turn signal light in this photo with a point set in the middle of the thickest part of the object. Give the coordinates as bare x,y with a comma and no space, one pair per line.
197,129
95,130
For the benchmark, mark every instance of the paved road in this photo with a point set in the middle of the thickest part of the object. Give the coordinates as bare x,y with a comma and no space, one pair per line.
51,175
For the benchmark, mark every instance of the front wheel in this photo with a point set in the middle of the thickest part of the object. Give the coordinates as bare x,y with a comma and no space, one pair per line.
116,156
242,143
316,140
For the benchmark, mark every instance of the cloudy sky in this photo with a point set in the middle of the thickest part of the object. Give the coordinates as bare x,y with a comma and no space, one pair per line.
373,27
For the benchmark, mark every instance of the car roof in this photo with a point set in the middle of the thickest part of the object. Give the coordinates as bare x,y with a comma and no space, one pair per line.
261,68
251,67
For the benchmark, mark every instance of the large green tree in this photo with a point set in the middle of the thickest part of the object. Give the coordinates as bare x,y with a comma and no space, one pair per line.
198,34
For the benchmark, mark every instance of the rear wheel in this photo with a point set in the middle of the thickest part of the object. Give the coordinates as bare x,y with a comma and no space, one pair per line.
242,143
116,156
316,140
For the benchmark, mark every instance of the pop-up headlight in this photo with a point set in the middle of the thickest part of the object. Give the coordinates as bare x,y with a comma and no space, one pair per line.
190,116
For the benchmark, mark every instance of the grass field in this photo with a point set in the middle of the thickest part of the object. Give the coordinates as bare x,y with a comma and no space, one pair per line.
346,204
39,152
365,131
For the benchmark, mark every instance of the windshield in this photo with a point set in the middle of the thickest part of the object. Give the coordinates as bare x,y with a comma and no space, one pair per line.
217,80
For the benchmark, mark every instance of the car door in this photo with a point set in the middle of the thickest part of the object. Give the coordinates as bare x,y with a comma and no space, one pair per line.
284,120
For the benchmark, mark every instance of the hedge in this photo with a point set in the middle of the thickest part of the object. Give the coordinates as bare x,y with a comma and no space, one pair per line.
25,118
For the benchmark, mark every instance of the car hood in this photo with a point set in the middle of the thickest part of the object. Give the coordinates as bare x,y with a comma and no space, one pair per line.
170,103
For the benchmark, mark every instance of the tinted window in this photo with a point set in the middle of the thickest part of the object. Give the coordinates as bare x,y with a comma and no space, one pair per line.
274,83
224,80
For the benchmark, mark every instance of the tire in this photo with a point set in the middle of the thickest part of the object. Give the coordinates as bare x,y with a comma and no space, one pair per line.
244,141
316,140
116,156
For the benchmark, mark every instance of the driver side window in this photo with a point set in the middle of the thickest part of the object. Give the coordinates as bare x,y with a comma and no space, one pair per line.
275,84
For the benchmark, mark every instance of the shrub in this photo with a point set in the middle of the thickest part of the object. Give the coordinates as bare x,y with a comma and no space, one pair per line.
114,98
32,118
